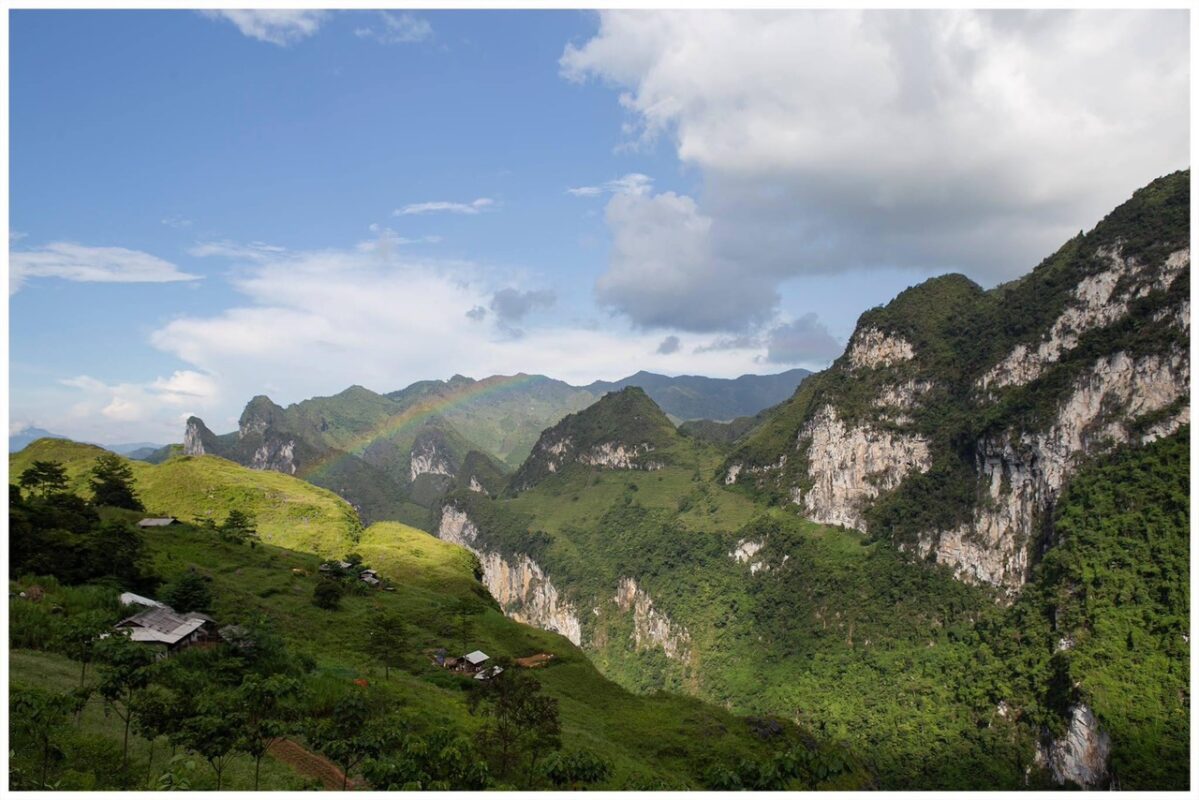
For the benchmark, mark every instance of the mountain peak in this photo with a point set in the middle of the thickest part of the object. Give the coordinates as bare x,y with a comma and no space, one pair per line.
624,429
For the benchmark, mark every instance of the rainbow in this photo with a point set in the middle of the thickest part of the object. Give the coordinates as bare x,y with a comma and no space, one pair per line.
414,416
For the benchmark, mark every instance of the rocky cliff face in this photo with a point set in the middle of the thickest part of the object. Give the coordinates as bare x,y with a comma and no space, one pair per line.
427,459
1024,471
518,584
956,416
1081,755
651,628
197,439
850,465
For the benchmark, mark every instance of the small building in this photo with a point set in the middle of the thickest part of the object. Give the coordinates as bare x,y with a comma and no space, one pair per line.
473,662
162,626
369,577
157,522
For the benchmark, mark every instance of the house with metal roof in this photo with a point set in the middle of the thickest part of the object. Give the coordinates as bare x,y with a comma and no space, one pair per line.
163,626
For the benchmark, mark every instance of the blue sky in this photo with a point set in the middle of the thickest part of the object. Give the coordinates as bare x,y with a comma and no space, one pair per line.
204,208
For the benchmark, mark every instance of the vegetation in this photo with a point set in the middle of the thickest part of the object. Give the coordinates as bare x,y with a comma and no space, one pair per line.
283,671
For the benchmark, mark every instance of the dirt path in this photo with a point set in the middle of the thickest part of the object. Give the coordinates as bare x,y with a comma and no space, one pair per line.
309,764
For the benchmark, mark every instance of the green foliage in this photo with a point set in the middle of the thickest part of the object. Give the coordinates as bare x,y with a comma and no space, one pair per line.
238,526
520,724
573,769
188,592
387,639
112,483
46,477
327,594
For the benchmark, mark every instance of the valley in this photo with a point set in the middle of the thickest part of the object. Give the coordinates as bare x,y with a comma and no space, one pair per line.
958,558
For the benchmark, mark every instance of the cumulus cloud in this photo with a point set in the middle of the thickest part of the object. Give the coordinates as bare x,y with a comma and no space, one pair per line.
76,262
313,322
828,140
397,29
446,207
276,26
665,271
669,345
511,305
107,409
804,341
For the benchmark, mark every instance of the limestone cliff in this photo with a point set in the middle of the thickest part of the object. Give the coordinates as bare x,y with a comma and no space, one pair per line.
651,627
1080,756
517,583
956,416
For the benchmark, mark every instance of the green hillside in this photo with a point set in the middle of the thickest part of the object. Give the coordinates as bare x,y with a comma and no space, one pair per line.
660,740
858,641
289,512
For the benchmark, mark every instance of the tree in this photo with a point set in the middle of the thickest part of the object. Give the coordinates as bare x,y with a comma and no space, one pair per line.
112,483
40,716
117,549
267,714
463,610
349,735
575,768
214,730
519,721
238,527
327,595
80,636
386,635
124,673
47,477
188,592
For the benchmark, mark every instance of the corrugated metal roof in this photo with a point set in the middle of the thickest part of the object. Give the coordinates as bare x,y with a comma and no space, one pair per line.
477,657
155,522
162,625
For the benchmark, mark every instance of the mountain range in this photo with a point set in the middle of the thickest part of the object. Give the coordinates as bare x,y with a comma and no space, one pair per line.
394,455
961,552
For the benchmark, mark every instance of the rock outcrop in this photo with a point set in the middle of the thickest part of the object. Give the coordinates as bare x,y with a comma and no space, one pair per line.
651,627
1025,471
848,466
1080,756
872,348
517,583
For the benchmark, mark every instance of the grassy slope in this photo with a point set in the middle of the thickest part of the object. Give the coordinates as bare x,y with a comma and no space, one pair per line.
290,512
664,737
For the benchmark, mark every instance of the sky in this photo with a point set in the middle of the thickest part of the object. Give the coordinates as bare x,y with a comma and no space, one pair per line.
207,206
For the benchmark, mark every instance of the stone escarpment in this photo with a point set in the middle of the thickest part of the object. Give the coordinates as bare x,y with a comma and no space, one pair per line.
847,466
427,459
956,416
1023,472
651,627
1080,756
517,583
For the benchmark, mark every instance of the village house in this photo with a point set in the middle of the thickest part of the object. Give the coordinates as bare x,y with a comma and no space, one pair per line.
162,627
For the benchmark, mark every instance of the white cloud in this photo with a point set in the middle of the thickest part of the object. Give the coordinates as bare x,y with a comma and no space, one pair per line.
254,251
177,222
944,140
276,26
445,207
313,323
75,262
100,411
397,29
632,183
664,270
